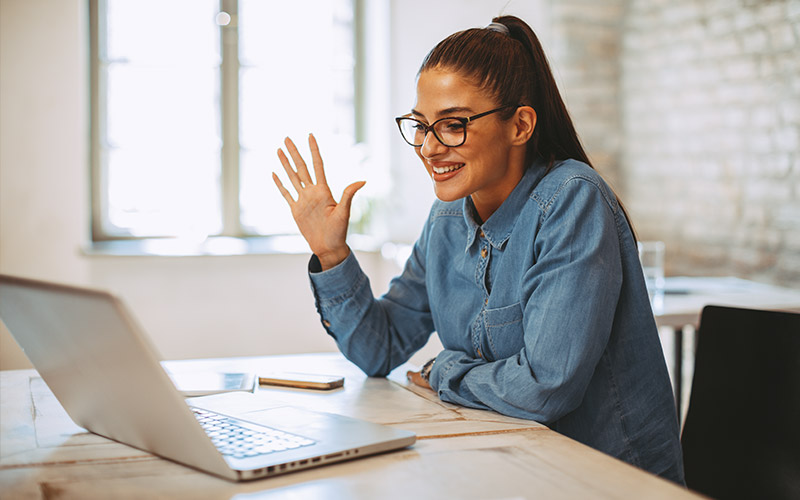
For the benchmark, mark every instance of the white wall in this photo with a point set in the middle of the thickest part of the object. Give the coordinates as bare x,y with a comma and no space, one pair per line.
43,136
190,306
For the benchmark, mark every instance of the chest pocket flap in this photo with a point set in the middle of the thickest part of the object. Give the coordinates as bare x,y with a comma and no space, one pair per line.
504,334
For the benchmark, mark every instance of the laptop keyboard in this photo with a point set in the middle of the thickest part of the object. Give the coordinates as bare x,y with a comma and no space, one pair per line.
241,439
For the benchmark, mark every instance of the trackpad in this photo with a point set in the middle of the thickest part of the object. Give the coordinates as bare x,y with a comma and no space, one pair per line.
312,424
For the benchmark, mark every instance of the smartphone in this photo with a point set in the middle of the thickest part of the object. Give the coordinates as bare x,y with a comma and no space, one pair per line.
302,380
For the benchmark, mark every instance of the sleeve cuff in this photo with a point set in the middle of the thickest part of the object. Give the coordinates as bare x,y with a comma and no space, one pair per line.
337,282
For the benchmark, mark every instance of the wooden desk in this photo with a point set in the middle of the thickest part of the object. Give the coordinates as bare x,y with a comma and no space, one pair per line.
685,298
461,453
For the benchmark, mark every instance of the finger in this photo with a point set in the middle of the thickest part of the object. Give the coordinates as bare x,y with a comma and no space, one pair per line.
299,163
285,192
416,379
349,192
316,160
287,166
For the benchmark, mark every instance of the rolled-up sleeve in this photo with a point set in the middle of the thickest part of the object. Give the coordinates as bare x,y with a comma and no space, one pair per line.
376,334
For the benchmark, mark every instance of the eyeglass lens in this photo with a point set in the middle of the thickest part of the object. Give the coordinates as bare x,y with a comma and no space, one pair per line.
449,131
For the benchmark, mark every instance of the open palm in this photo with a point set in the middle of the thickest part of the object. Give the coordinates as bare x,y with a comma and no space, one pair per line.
321,220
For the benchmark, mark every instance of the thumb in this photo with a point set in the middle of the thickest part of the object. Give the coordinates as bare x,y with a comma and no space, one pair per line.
349,192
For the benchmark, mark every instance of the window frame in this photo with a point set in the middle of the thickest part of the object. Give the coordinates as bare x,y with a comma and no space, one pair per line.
229,102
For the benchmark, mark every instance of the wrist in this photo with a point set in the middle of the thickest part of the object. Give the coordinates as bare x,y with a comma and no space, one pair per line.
425,371
333,258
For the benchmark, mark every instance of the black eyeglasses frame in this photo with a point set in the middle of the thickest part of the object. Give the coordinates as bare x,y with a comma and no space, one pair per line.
430,128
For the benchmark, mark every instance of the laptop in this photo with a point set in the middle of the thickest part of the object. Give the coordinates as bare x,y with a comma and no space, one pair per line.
103,370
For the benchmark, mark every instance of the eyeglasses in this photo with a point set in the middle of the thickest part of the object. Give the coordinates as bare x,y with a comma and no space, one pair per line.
450,131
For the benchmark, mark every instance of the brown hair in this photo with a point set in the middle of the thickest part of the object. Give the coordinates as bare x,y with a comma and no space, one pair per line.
510,66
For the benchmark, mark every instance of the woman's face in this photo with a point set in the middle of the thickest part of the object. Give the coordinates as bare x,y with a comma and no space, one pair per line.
482,166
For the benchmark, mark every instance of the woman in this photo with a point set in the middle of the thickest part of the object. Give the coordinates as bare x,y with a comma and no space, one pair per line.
527,267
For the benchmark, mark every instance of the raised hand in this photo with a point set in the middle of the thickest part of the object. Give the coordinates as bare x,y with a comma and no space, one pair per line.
321,221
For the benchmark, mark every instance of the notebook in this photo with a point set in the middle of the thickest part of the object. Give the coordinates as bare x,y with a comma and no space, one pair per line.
103,370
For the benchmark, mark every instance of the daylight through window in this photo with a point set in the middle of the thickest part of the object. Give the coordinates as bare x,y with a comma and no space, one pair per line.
191,99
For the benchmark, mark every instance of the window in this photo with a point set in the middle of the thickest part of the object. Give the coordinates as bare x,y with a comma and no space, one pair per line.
191,99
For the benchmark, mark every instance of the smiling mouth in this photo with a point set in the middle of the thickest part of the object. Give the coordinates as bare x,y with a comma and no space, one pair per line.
448,168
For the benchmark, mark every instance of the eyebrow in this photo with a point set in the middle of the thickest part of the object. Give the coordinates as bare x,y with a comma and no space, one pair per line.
447,111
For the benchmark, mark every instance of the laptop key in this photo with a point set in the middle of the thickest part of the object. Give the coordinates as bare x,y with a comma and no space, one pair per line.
241,439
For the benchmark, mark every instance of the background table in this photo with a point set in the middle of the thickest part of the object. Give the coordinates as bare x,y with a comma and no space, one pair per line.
685,298
460,453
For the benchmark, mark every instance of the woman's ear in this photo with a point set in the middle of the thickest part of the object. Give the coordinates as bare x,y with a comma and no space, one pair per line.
524,121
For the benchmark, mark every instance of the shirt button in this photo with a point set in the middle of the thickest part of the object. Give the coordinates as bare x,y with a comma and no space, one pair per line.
486,302
484,252
326,323
483,235
480,354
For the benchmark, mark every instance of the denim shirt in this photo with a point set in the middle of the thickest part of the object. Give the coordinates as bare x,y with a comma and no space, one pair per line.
542,312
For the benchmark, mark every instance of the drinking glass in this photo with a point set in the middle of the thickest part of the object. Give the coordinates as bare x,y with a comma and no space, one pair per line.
651,254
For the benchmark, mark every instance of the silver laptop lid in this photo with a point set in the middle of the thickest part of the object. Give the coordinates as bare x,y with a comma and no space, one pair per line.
103,370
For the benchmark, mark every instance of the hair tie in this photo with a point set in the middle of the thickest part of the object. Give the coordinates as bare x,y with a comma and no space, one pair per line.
500,28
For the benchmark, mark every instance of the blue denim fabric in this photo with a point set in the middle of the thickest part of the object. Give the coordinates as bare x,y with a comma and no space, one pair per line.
542,311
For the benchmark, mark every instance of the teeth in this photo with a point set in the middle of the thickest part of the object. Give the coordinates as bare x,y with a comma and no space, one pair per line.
450,168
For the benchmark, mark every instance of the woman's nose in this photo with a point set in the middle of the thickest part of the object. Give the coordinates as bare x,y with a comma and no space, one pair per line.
431,146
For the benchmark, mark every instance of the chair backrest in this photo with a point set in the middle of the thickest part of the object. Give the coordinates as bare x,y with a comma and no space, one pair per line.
741,436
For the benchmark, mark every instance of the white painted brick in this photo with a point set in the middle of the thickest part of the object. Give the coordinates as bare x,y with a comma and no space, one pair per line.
796,28
760,142
787,271
744,18
734,117
713,9
788,217
791,241
771,12
727,46
752,215
782,37
741,68
681,13
767,67
764,117
787,139
755,40
763,192
790,112
607,12
776,165
793,10
748,259
720,24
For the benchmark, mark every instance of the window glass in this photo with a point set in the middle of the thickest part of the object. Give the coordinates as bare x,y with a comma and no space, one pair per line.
296,78
160,123
160,146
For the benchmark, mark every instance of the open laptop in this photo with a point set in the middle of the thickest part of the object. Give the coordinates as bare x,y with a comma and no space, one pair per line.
102,368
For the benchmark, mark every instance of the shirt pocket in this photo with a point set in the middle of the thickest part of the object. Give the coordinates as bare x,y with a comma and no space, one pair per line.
504,332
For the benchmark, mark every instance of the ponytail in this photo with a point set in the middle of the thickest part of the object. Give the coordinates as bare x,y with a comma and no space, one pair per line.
555,137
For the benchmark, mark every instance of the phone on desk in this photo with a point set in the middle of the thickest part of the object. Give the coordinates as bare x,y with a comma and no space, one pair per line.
302,380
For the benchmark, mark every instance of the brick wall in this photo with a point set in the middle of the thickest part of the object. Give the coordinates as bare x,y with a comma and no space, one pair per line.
711,127
692,109
584,51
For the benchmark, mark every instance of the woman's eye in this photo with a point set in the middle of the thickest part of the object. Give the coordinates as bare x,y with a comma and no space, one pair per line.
418,127
455,126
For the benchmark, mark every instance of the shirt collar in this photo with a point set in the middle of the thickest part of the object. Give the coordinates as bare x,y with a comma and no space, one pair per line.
500,224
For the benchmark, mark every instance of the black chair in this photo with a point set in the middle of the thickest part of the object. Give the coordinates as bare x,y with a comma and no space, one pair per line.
741,436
